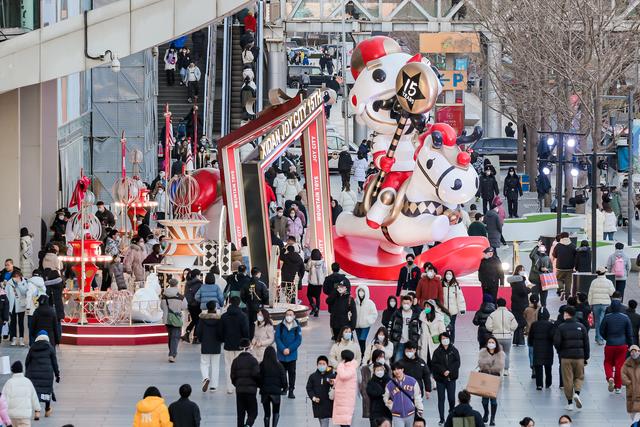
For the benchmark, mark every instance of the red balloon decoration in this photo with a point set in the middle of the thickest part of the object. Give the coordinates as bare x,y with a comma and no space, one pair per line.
207,179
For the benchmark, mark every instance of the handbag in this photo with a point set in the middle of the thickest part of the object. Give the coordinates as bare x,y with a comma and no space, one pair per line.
548,281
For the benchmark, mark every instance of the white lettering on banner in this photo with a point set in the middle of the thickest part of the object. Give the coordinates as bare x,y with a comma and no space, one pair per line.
280,134
316,187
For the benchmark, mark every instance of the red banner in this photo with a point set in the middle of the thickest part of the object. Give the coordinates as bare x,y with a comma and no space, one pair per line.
317,204
452,115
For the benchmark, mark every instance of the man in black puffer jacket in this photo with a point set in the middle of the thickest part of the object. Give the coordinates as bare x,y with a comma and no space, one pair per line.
292,264
331,281
194,282
234,328
44,318
416,367
245,376
565,254
465,412
342,309
571,341
41,366
405,326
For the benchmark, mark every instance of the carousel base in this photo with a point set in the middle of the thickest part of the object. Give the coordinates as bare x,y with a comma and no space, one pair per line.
113,335
278,310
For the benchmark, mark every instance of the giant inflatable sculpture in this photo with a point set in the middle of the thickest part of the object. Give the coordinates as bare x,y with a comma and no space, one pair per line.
424,173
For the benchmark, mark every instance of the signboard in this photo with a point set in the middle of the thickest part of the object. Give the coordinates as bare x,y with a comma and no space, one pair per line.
452,115
453,80
449,43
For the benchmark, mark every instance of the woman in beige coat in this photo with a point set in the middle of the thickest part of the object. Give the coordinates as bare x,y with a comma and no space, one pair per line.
263,336
631,381
133,260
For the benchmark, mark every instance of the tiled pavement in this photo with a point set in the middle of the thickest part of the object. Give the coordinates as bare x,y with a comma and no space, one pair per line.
101,385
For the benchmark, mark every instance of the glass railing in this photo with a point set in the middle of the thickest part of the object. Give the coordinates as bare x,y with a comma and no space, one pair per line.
19,14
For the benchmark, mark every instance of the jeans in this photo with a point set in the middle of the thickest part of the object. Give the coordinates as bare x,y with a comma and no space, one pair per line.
398,352
531,356
210,368
173,339
290,367
620,285
247,407
598,316
614,357
16,324
324,422
608,235
403,422
547,375
448,387
229,356
452,328
505,343
362,334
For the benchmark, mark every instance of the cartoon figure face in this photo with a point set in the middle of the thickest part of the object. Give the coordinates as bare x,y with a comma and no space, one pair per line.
447,169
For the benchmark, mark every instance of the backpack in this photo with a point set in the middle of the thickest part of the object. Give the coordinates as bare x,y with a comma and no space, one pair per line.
618,267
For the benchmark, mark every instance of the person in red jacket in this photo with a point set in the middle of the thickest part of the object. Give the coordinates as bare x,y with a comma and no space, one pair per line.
429,285
250,23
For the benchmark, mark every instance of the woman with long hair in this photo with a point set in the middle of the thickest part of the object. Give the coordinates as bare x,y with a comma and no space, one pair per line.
454,300
380,341
317,268
491,361
519,301
274,384
263,336
432,326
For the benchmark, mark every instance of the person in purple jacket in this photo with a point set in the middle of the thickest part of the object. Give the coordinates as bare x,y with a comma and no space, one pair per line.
403,397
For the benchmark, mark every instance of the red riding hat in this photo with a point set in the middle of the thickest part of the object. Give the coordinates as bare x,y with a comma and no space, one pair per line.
371,49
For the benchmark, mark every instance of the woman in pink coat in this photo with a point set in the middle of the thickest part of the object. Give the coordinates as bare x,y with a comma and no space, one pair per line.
345,387
294,225
4,412
497,201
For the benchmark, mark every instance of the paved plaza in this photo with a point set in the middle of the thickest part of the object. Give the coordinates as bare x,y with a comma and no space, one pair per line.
101,385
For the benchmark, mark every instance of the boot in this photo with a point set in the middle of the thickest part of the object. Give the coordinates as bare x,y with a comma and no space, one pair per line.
267,420
185,337
494,409
485,406
276,417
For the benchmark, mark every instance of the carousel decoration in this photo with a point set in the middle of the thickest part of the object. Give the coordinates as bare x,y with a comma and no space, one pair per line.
85,230
424,174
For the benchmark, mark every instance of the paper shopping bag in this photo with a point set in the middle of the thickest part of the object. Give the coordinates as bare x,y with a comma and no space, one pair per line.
485,385
5,365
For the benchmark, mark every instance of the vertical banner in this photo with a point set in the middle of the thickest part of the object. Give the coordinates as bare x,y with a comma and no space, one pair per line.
452,115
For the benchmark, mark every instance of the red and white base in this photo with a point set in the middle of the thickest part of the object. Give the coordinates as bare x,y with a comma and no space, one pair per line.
99,334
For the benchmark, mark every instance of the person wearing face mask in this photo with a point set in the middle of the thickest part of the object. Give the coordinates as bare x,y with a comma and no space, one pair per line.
488,187
519,301
254,295
294,225
160,197
432,325
59,226
501,323
405,327
429,285
480,318
387,314
571,341
540,263
408,277
491,361
564,421
493,221
490,273
278,224
105,216
264,334
319,386
403,397
477,227
380,342
512,190
16,289
288,338
540,340
445,366
454,301
366,372
342,311
347,341
317,269
345,388
631,381
375,388
416,367
367,314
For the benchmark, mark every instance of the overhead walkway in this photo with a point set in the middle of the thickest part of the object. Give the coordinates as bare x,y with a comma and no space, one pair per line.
123,27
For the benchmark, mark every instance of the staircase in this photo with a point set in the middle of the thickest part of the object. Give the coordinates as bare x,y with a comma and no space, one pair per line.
176,95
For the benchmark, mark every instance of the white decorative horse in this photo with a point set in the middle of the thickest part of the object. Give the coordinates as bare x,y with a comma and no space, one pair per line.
427,203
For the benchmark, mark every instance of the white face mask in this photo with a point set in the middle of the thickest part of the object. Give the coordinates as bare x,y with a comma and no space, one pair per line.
361,294
491,346
381,338
260,318
445,341
635,354
406,307
379,373
289,319
565,425
392,304
381,360
410,354
449,276
430,274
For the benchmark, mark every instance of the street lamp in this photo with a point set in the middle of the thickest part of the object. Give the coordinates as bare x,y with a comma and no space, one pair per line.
571,142
546,170
574,172
550,141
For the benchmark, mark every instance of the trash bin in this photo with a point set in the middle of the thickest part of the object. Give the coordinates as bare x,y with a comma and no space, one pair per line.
582,282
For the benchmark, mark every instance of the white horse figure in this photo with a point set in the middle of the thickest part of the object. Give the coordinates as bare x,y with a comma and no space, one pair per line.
426,209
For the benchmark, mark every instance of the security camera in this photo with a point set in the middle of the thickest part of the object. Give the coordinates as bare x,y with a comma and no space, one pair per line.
115,64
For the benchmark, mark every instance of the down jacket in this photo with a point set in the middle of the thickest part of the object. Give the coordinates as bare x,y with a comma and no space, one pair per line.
616,326
318,386
338,347
209,292
17,295
4,412
540,338
571,340
133,262
366,310
290,338
263,337
600,291
317,271
35,288
345,389
21,396
151,412
631,381
44,318
245,373
454,300
431,331
208,333
41,366
501,323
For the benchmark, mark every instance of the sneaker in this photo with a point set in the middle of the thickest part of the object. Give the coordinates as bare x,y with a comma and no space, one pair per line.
538,388
576,399
505,373
618,391
205,384
14,341
569,407
21,342
610,386
229,391
441,422
172,359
